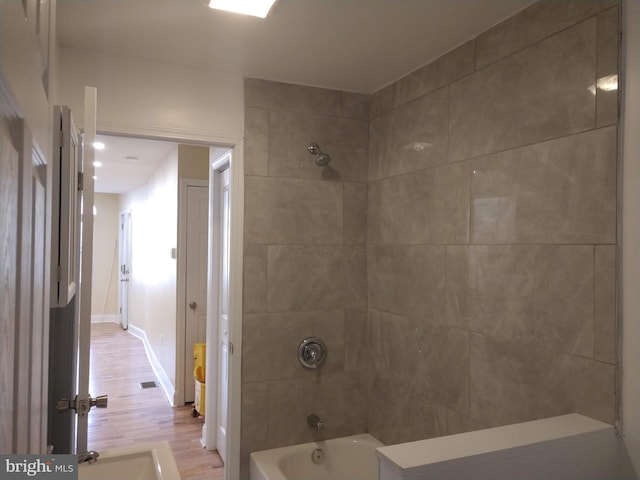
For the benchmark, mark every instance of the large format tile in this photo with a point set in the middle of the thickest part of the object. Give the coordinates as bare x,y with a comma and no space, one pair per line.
316,277
355,213
413,138
339,399
533,294
408,280
442,71
256,141
255,278
539,93
512,382
605,304
607,68
270,344
534,23
402,411
286,211
426,207
561,191
344,139
286,96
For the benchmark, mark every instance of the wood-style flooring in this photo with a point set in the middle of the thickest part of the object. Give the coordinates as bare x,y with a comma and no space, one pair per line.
135,415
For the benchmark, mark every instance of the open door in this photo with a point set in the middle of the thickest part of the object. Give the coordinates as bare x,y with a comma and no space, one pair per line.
124,255
71,324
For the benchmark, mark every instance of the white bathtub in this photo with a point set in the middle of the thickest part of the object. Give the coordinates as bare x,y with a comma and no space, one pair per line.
347,458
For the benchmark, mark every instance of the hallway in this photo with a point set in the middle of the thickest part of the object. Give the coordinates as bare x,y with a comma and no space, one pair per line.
135,415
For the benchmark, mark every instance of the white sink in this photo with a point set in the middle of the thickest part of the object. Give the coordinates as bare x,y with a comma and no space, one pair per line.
150,461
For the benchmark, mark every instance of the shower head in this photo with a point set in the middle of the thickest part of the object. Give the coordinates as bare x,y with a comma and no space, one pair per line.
314,148
322,158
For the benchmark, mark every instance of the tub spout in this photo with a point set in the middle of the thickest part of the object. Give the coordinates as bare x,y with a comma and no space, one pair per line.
315,422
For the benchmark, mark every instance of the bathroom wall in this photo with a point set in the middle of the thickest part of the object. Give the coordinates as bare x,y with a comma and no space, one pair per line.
490,182
304,263
492,229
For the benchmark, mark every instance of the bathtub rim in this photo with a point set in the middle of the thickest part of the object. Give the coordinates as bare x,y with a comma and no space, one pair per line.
267,461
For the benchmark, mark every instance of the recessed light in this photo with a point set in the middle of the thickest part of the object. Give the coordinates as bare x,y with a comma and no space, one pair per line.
98,145
256,8
97,164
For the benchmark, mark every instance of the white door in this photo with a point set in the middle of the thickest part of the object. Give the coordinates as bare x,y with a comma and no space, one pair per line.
124,255
83,399
223,316
196,279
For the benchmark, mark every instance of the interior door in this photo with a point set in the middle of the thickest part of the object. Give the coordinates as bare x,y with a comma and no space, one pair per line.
196,279
124,255
83,401
223,316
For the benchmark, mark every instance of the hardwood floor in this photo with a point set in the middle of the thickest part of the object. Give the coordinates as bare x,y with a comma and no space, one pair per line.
136,415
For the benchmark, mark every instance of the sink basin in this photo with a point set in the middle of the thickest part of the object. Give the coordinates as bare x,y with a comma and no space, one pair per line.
150,461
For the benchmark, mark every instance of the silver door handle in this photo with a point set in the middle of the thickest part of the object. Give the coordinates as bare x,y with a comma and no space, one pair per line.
193,305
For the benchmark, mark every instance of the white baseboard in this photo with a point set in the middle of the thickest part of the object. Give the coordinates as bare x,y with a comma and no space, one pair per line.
165,382
104,319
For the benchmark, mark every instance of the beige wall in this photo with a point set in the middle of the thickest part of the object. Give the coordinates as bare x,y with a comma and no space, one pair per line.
152,297
151,99
104,286
193,162
490,230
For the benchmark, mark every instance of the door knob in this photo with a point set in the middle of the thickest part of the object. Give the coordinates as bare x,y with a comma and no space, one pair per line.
193,305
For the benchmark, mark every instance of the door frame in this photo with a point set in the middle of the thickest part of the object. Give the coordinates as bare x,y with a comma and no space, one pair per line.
236,145
181,284
217,164
124,252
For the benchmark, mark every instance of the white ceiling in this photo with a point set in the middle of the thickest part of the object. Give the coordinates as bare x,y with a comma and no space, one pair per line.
127,163
353,45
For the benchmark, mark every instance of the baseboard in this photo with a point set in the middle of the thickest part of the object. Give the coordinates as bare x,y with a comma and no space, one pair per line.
165,381
104,319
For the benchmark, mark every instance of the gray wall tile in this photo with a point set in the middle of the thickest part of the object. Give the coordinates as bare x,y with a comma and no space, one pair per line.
512,382
256,145
534,294
255,278
607,68
355,213
355,105
539,93
285,211
426,207
605,304
410,138
561,191
316,277
270,344
344,139
339,399
408,280
534,23
286,96
450,67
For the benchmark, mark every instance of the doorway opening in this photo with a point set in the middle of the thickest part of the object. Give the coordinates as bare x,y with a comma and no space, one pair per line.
170,202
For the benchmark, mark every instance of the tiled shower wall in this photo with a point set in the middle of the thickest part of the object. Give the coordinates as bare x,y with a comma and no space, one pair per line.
492,229
458,254
304,263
